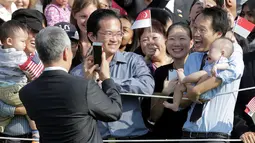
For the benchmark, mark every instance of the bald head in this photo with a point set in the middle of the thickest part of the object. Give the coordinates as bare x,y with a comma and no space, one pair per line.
225,45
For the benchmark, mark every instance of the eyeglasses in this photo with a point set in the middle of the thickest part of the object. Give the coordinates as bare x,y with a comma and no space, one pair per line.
199,30
111,34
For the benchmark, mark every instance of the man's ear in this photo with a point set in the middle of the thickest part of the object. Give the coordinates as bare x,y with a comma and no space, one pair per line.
191,43
130,41
229,3
65,54
91,37
219,34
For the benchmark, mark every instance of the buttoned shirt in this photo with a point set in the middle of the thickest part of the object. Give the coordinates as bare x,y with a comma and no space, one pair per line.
218,113
131,75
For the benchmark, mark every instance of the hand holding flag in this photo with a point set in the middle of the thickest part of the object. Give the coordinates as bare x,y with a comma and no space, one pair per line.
250,109
143,20
243,27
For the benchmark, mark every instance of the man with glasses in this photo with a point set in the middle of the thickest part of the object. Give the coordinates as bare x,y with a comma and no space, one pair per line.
214,118
128,70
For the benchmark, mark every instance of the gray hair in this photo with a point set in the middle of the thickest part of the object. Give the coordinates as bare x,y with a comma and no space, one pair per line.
50,43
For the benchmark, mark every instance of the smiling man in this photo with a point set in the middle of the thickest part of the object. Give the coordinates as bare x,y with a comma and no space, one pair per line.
213,119
128,70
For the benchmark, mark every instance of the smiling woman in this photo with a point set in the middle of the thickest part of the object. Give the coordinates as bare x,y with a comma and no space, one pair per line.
179,42
81,10
152,41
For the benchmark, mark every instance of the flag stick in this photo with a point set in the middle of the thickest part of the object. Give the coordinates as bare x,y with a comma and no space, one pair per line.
151,23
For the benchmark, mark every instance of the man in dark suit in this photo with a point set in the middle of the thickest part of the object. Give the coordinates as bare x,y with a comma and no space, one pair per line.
66,108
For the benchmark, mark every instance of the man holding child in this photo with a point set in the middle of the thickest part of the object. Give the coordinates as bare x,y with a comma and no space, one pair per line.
214,118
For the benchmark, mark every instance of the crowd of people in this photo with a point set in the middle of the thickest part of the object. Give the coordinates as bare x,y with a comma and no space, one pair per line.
51,90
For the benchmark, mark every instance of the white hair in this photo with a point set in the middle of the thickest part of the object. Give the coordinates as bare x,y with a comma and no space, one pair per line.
50,43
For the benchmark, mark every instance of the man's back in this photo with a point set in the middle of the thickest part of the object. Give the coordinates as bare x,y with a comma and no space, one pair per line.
61,107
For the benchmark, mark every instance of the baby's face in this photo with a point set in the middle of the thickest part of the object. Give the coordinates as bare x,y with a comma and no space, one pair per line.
214,54
19,40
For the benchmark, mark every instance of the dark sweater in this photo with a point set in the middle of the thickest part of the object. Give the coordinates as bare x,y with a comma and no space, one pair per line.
169,125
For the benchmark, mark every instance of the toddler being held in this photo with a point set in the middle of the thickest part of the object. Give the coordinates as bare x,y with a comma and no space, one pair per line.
217,59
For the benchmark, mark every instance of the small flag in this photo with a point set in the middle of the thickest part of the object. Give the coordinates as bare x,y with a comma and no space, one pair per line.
143,20
243,27
250,109
251,105
33,67
170,5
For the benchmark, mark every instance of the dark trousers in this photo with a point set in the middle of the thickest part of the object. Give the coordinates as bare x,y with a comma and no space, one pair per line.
143,137
16,141
188,135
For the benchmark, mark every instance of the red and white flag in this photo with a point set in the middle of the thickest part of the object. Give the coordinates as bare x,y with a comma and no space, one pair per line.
250,107
143,20
243,27
33,67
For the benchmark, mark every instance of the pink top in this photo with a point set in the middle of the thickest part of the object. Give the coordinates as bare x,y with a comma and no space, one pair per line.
55,14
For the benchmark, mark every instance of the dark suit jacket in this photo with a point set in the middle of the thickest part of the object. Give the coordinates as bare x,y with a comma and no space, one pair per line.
65,108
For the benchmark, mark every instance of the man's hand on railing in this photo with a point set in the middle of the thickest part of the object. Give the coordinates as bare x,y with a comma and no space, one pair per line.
248,137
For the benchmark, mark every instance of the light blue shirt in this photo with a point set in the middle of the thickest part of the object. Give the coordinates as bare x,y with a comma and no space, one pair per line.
218,113
18,125
131,74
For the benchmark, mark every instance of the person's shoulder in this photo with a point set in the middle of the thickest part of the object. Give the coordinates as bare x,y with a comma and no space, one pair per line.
78,79
237,47
132,56
51,7
77,71
26,88
195,56
162,69
165,67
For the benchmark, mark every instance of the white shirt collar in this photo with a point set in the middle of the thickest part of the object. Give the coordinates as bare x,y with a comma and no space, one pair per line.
55,68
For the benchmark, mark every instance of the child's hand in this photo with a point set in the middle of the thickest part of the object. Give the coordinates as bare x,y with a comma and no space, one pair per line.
214,70
169,86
